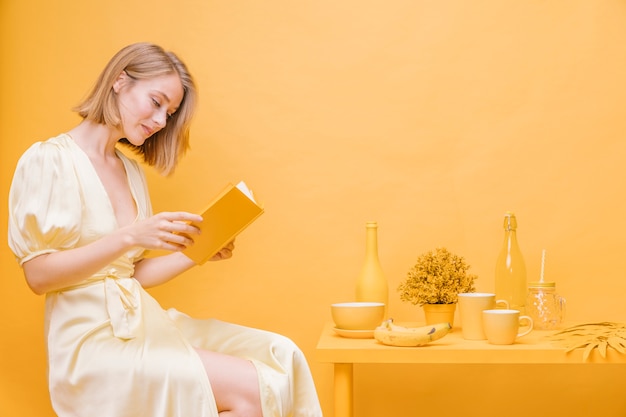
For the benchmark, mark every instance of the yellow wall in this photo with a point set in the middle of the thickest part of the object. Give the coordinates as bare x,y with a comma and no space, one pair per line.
432,118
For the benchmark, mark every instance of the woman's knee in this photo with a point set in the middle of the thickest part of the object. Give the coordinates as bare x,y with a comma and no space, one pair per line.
234,382
285,350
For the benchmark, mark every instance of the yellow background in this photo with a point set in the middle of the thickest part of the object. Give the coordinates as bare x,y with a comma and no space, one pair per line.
431,117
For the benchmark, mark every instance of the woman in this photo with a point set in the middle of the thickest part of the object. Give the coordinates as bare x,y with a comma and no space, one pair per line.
80,221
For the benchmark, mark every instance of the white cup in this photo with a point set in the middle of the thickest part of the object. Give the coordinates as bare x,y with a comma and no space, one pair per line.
502,326
471,307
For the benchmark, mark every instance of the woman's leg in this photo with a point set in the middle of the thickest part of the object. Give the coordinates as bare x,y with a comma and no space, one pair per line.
235,384
284,377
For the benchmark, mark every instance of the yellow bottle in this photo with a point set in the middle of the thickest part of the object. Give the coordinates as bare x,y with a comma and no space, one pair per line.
510,271
371,283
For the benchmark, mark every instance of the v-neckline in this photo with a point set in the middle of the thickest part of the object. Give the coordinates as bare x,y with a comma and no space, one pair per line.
103,190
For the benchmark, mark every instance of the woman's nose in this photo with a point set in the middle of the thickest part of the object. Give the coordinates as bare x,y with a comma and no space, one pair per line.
160,118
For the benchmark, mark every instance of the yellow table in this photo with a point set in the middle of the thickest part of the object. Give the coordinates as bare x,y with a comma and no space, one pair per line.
452,349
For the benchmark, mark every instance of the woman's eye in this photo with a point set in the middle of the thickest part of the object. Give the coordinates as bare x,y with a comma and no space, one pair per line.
156,103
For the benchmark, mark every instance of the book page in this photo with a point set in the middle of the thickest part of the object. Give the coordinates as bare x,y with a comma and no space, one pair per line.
244,189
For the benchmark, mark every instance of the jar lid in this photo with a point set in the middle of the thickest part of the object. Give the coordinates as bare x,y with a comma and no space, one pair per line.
540,284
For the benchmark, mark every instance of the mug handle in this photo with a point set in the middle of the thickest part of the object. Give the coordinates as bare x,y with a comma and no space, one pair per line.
530,325
502,303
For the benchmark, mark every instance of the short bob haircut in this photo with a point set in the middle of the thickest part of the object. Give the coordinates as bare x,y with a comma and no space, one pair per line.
164,149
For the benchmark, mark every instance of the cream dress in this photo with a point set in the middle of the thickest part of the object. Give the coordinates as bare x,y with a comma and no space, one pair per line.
112,350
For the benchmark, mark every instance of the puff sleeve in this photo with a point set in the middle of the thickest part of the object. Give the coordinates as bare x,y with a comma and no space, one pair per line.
44,202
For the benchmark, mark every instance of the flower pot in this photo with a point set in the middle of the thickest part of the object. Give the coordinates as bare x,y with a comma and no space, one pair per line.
439,313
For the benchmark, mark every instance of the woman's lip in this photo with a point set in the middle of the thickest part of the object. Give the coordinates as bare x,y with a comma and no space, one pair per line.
147,130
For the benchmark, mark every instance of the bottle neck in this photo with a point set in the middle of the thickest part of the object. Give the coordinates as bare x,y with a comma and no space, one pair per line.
510,234
371,240
510,227
510,222
510,240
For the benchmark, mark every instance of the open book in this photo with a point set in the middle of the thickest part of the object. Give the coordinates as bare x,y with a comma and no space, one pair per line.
225,217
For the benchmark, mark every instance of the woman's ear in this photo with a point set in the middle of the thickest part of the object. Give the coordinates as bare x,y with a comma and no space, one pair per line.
120,81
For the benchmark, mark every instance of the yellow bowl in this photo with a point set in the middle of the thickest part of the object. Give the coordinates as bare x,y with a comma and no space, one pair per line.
357,315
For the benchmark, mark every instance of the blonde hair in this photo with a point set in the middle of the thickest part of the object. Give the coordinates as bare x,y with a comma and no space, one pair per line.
143,61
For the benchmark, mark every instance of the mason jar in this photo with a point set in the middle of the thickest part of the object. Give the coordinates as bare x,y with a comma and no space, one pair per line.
544,305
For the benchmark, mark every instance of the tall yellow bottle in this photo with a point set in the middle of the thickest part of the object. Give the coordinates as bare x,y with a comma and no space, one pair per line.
371,283
510,268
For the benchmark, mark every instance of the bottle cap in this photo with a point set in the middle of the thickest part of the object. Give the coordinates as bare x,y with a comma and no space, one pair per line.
510,222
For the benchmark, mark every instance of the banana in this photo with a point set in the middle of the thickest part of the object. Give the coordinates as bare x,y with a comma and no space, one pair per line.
393,335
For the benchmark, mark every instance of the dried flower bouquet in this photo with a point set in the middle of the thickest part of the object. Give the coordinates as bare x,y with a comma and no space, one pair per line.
437,278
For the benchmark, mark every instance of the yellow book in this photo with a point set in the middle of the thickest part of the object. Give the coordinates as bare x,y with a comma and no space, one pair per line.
226,216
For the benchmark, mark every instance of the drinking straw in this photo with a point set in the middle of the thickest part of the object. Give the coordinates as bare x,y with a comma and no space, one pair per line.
543,264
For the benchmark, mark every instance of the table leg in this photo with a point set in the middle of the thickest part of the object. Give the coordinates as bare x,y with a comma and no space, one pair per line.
343,390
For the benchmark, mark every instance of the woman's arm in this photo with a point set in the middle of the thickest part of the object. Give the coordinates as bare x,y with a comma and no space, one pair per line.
164,231
151,272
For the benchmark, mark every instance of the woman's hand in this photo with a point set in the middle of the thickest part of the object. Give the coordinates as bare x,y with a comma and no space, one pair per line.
155,271
171,231
225,253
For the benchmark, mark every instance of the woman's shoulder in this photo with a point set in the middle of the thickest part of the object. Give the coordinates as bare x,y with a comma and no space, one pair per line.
51,146
50,157
62,140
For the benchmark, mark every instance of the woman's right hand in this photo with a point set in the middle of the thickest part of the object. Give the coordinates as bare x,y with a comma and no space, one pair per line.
171,231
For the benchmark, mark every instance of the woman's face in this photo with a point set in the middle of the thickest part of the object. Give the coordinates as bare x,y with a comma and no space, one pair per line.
145,105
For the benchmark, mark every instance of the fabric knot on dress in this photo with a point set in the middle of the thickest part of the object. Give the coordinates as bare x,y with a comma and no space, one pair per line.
123,302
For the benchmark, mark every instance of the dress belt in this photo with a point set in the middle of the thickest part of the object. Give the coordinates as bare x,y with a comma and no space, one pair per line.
123,302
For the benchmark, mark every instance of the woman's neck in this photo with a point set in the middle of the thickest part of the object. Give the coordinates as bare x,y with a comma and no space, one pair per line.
96,140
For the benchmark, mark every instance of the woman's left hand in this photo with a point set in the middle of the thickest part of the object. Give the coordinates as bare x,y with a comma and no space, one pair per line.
225,253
